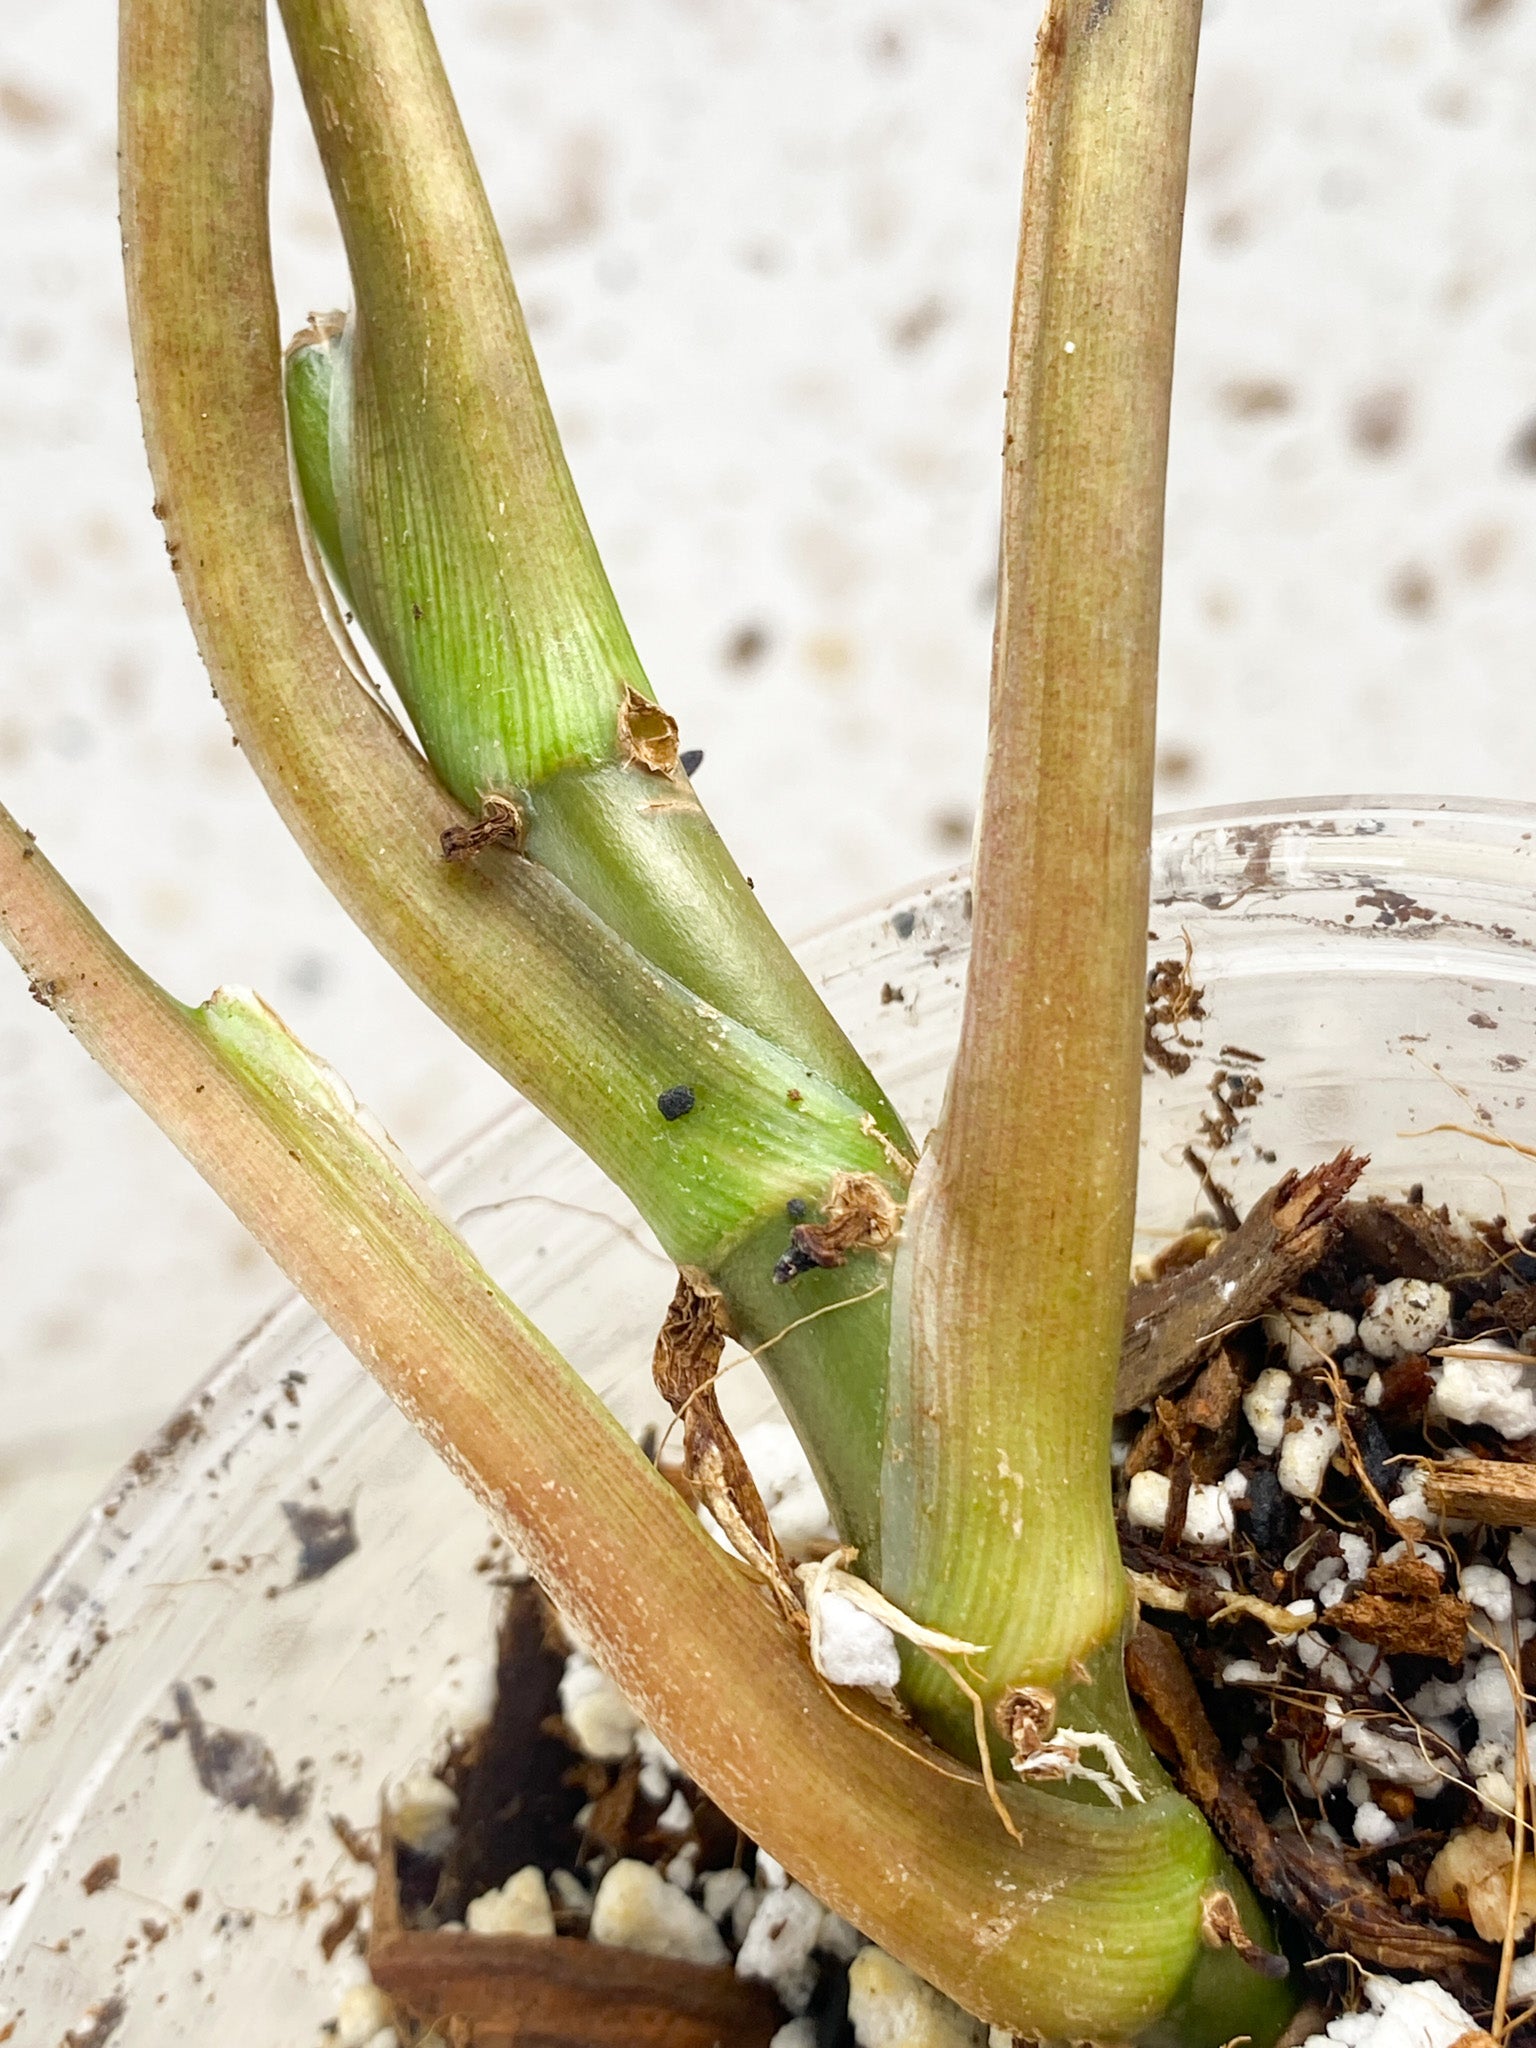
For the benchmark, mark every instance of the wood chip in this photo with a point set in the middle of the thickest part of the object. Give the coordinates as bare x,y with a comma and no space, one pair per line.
559,1992
1345,1908
1403,1609
1213,1401
1408,1240
1172,1323
1486,1490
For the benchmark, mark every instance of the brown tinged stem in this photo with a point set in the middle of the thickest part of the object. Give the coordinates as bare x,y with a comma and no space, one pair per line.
467,555
1089,1929
997,1521
547,992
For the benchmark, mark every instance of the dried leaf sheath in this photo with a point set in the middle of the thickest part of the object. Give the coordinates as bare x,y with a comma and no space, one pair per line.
685,1365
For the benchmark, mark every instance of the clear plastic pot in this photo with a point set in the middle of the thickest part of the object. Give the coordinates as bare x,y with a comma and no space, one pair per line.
1367,975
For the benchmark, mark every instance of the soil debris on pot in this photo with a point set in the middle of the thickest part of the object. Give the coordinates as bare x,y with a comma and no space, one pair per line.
325,1536
235,1766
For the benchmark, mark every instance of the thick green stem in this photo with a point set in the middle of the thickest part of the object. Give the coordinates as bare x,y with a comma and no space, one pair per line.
549,993
443,499
1089,1929
1011,1286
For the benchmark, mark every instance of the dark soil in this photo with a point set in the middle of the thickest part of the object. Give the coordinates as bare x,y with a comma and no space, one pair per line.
1274,1735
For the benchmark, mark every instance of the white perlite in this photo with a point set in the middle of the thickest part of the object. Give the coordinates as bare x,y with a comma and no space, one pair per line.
1304,1454
1494,1390
1405,1317
1417,2015
839,1937
1486,1587
658,1766
795,2034
1522,1557
422,1811
1308,1336
855,1648
1522,1978
1373,1828
636,1908
464,1697
1398,1759
676,1818
1264,1405
570,1891
521,1906
890,2007
601,1721
720,1889
1209,1518
1411,1506
778,1946
363,2012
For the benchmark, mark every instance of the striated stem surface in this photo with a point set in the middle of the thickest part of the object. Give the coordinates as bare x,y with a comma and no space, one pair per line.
996,1514
1090,1929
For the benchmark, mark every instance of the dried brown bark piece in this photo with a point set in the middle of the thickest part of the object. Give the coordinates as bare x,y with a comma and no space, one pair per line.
1411,1241
518,1991
1171,1323
1213,1401
1406,1387
1343,1906
1403,1609
1502,1495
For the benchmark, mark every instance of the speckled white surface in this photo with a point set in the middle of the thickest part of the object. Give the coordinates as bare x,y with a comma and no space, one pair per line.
766,251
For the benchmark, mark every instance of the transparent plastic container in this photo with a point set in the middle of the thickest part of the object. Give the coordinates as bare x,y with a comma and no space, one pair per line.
1367,975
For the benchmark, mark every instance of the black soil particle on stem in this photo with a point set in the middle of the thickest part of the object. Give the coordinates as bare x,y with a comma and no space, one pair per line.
676,1102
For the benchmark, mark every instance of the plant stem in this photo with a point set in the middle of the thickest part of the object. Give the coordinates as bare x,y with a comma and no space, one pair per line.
525,973
1090,1929
466,553
1011,1290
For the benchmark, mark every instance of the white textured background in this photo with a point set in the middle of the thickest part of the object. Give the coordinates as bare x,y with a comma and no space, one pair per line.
765,247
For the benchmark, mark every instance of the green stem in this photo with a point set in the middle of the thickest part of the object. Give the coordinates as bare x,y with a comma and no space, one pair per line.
548,993
441,494
997,1518
1087,1930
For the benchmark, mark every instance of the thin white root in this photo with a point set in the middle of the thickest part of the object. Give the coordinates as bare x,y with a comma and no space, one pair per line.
1061,1756
828,1576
